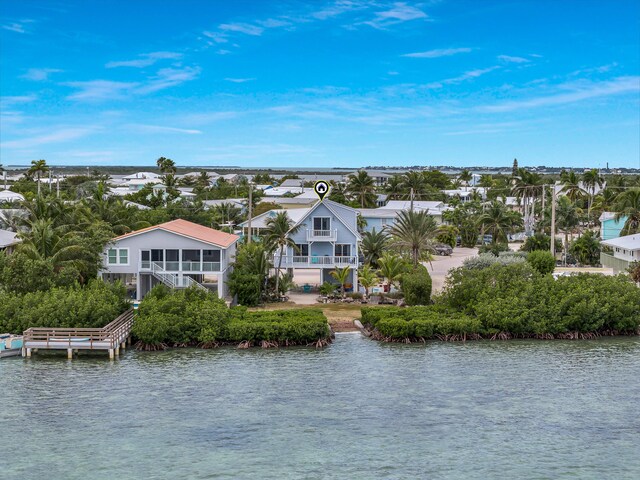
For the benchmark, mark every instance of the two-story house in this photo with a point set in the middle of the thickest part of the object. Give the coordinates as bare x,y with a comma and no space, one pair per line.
177,253
326,238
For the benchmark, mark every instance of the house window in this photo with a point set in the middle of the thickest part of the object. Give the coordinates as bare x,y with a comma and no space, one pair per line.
118,256
342,250
322,223
302,250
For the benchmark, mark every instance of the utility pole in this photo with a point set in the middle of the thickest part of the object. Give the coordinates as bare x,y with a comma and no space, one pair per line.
58,186
411,197
544,191
50,181
553,220
250,211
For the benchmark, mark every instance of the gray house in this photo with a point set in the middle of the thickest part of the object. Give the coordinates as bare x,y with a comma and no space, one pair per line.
327,238
177,253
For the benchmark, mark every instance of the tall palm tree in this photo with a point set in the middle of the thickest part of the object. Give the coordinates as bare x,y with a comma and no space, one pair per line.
486,180
414,232
572,188
367,278
413,182
37,169
591,179
391,268
527,187
628,205
226,215
361,188
498,221
342,276
567,217
166,165
465,177
394,187
373,245
278,238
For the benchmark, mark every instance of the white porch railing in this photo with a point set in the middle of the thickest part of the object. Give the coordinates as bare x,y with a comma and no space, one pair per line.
173,280
313,261
322,235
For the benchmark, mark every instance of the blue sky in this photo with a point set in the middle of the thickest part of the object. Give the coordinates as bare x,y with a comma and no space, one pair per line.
342,83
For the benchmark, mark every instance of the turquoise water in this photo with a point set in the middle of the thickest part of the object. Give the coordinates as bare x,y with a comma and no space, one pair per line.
355,410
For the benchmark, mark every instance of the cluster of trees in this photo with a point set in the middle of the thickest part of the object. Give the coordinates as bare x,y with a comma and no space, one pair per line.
193,317
515,299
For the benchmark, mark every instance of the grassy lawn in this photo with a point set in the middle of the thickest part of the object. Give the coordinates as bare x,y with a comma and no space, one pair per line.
339,315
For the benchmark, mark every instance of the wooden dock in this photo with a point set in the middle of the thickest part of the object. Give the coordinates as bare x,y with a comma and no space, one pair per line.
111,337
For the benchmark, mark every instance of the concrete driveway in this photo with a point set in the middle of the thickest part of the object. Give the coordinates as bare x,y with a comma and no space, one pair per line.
442,265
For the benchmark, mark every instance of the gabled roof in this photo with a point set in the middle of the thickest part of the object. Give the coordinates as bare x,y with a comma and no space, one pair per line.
190,230
335,208
629,242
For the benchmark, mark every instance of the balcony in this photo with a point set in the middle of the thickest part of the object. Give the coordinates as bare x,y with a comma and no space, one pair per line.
315,261
322,235
146,266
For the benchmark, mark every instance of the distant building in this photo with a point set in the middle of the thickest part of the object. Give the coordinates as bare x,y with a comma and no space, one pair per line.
609,227
8,241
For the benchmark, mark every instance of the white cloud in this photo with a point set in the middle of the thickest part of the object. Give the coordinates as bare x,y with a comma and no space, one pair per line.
337,8
96,90
510,59
400,12
169,77
216,37
441,52
469,75
14,99
579,91
61,135
146,60
274,23
142,128
40,74
245,28
18,27
239,80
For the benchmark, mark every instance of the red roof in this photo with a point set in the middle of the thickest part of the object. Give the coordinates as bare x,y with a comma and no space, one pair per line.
191,230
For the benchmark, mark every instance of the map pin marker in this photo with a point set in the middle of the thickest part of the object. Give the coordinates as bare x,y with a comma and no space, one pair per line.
321,188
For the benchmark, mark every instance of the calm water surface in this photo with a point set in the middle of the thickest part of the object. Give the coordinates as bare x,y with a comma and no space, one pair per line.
358,409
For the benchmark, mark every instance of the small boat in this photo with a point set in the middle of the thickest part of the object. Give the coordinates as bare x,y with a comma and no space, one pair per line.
10,345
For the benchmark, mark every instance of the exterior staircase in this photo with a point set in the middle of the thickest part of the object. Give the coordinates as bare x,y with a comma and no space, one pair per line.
173,280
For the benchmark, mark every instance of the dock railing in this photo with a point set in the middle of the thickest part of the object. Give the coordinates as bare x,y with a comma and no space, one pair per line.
110,337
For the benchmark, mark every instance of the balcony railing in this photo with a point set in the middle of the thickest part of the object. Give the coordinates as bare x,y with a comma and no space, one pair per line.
315,261
322,235
172,266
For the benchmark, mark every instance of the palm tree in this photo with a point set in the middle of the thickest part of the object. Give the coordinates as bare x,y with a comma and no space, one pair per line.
391,268
394,187
486,181
367,278
592,179
567,217
277,237
527,187
465,176
226,215
628,205
166,165
413,183
414,232
342,276
362,188
373,245
498,221
202,180
38,167
572,188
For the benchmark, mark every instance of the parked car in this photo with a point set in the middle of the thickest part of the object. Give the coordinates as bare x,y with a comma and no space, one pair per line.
443,249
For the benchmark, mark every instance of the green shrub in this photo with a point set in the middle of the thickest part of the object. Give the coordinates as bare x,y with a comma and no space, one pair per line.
91,306
541,261
416,286
246,286
494,248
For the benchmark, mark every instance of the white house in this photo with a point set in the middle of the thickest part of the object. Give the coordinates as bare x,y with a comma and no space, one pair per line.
625,251
177,253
